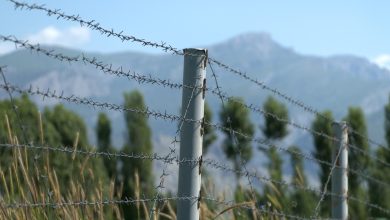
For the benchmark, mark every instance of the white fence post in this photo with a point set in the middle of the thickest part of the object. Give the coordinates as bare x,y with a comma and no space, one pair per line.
191,133
340,173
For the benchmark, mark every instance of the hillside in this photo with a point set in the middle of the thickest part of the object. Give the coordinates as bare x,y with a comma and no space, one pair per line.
333,83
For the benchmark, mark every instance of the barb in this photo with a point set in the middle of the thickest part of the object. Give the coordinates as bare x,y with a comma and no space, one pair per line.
284,96
71,151
251,205
98,64
14,107
164,116
368,139
172,151
221,166
94,25
108,68
85,101
235,140
325,188
127,201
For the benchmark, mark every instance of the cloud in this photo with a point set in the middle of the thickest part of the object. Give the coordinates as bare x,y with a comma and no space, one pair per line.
382,61
6,48
68,37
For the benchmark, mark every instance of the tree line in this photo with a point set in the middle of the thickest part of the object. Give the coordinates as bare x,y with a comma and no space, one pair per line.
58,126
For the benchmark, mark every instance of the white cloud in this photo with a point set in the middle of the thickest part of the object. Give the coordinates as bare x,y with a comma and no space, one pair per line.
70,37
6,48
383,61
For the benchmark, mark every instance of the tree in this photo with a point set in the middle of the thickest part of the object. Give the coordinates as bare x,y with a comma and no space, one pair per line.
60,128
209,132
304,201
323,151
378,193
237,147
103,133
65,128
275,129
138,142
357,160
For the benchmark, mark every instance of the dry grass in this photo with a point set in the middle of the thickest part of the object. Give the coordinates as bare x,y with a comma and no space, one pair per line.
25,182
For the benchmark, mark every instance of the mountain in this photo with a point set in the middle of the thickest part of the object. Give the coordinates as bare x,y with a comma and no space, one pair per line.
334,83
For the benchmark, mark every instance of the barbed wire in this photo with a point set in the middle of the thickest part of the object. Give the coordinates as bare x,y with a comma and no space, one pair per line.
92,24
72,151
262,178
235,140
14,107
75,99
98,64
325,187
165,116
55,205
173,150
107,68
255,207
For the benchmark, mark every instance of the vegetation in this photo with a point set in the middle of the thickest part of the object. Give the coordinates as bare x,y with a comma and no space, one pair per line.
36,176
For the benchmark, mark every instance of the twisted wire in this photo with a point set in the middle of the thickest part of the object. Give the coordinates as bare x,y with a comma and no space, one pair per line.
235,140
71,151
107,68
165,116
92,24
55,205
98,64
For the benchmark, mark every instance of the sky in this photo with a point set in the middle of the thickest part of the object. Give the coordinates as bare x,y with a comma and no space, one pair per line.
321,28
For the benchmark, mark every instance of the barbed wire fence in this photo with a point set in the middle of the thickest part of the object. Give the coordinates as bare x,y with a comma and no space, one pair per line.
171,158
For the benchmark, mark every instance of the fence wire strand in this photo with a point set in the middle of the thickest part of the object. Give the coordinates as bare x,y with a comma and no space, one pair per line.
109,32
141,78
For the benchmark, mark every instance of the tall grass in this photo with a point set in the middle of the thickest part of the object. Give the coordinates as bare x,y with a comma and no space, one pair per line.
28,179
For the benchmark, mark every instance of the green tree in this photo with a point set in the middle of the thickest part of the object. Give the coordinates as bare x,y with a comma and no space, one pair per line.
209,132
63,127
237,147
357,161
323,151
275,129
60,127
138,142
302,202
103,133
378,193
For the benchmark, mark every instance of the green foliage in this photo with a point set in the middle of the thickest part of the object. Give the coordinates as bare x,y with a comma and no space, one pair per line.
387,124
357,161
274,128
63,127
242,196
302,202
235,116
138,142
209,132
103,133
323,151
60,127
379,194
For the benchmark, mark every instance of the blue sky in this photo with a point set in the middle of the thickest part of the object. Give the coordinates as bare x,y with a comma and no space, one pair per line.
310,27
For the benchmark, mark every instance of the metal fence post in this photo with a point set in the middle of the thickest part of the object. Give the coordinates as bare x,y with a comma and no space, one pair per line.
340,173
191,133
